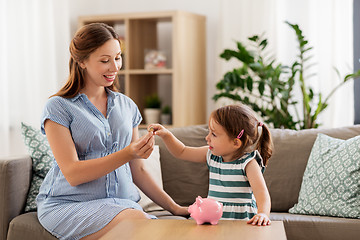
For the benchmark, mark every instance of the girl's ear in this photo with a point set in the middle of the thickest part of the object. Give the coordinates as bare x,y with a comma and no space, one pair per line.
237,143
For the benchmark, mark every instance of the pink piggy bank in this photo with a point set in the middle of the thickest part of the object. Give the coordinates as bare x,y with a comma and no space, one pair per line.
206,210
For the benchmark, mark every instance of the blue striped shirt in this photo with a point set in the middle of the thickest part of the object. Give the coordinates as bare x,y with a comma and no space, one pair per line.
229,185
73,212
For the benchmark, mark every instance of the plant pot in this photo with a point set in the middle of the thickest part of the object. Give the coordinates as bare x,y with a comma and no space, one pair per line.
165,119
152,115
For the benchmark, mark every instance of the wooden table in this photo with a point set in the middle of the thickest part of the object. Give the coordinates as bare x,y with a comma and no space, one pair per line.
171,229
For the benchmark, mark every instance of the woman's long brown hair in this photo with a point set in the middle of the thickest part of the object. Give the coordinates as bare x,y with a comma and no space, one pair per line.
86,40
234,118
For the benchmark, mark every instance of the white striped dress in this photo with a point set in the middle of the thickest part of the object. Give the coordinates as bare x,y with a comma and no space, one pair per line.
229,185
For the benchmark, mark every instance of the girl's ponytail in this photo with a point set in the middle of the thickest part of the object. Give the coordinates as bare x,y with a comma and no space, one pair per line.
265,145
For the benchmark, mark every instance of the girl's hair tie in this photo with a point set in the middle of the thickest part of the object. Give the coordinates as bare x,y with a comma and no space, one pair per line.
261,124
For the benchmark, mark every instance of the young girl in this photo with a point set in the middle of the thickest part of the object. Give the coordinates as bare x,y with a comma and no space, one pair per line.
239,147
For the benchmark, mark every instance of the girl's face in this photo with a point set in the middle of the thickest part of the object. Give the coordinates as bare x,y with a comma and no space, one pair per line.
103,64
220,143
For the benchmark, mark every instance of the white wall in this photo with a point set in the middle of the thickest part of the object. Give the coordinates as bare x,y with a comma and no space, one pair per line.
208,8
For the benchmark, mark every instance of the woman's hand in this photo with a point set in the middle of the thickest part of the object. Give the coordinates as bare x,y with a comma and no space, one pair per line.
143,147
260,219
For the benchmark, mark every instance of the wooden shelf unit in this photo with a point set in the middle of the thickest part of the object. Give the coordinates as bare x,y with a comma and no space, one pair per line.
185,74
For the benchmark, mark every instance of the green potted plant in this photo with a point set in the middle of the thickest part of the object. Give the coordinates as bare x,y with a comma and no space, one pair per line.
165,117
152,108
267,87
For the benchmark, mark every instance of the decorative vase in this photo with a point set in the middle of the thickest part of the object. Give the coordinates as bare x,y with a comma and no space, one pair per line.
152,115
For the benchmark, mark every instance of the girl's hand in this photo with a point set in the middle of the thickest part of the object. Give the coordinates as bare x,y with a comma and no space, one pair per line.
143,147
158,129
260,219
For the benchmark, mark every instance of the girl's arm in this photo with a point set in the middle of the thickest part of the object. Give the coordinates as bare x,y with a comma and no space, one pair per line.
177,148
261,193
145,182
77,172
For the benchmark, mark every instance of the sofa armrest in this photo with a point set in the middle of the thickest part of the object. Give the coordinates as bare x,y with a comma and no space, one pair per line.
15,177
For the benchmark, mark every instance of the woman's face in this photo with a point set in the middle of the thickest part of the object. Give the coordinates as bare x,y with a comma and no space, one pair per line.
103,64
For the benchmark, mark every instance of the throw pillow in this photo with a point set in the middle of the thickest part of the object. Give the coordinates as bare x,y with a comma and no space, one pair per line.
330,185
41,155
152,164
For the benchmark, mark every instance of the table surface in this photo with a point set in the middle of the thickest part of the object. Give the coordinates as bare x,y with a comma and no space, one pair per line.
188,229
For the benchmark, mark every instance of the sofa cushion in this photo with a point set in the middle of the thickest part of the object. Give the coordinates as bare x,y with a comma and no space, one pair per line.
184,180
305,227
152,164
15,174
27,226
42,157
330,185
286,167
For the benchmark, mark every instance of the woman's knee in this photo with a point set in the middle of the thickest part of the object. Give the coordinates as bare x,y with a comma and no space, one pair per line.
131,214
123,215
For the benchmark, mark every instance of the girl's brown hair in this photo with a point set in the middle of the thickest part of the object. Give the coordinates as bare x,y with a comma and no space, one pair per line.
86,40
234,118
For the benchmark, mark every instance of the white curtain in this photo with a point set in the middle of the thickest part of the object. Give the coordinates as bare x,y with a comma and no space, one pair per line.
326,24
33,44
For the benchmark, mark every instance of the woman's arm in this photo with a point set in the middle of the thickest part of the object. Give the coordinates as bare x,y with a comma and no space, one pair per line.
145,182
77,172
261,193
177,148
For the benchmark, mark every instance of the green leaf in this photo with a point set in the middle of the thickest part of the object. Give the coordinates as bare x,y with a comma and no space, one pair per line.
261,88
352,75
220,85
249,83
254,38
311,94
263,44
